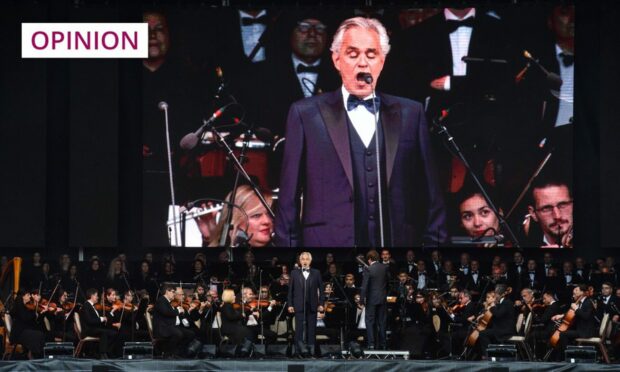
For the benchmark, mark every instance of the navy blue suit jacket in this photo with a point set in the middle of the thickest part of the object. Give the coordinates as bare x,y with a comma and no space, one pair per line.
317,160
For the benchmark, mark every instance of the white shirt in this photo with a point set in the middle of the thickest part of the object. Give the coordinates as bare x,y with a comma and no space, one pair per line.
565,111
307,87
475,277
250,35
361,315
422,281
363,120
459,42
177,320
306,274
96,312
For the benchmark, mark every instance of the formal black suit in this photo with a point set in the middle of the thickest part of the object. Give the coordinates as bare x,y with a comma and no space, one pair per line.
584,326
537,283
502,327
373,295
475,285
165,326
543,326
26,330
305,295
318,159
93,326
461,325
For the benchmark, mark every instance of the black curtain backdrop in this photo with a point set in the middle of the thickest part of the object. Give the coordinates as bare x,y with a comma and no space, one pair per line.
70,144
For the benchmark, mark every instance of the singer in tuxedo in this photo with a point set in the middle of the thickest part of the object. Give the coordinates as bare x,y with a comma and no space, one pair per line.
330,155
373,296
305,299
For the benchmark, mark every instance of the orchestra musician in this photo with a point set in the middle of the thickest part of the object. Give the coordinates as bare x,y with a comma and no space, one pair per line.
462,315
441,313
26,328
418,332
167,323
542,324
94,323
502,322
584,325
233,318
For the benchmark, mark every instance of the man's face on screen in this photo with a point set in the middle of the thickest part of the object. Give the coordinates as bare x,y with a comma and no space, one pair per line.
360,51
308,40
159,39
553,210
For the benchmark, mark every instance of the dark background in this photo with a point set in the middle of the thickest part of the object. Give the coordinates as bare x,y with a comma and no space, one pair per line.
70,144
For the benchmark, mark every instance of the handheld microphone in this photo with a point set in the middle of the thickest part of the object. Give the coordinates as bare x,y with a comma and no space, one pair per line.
163,105
365,77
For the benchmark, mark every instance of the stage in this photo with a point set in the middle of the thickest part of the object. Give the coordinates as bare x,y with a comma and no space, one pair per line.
296,365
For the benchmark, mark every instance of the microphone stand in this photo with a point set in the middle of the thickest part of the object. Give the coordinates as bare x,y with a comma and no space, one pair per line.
346,309
378,159
455,147
231,156
260,312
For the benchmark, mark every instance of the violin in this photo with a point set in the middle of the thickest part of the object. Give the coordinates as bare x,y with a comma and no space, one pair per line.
262,303
456,308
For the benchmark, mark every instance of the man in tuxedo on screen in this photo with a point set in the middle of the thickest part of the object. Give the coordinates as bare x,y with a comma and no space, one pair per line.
330,155
305,299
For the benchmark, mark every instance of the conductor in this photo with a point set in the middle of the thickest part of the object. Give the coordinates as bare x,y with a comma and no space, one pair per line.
374,296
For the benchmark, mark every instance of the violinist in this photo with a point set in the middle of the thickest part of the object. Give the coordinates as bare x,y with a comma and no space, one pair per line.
167,323
584,324
440,309
462,314
327,320
542,324
94,324
269,309
61,318
418,333
26,329
112,309
233,318
608,303
524,305
503,320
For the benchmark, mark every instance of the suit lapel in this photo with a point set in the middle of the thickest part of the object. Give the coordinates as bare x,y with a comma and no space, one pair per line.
334,117
390,120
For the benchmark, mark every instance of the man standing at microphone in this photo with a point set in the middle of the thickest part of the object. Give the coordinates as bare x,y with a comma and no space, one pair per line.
331,154
305,299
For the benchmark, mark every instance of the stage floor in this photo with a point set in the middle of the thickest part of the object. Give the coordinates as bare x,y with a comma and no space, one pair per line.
292,365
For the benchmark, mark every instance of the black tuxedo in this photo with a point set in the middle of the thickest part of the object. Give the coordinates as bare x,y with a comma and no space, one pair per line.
305,295
474,285
164,326
584,326
539,280
502,325
373,294
93,326
318,158
410,268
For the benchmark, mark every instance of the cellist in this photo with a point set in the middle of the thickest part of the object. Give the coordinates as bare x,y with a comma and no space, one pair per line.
502,323
583,324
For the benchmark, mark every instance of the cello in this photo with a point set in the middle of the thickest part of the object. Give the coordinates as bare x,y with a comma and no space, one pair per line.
567,322
483,320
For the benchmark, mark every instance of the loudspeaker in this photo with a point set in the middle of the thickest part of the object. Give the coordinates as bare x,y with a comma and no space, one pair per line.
278,351
502,352
138,350
58,350
227,350
580,354
330,351
209,351
355,350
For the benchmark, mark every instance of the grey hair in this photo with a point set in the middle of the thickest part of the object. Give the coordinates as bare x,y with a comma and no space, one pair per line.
365,23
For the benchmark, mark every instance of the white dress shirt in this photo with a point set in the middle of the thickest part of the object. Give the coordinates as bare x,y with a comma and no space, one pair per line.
307,80
459,42
565,111
363,120
251,34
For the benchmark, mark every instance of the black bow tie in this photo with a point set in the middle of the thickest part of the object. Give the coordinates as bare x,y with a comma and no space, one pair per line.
422,273
453,24
305,270
301,68
532,272
567,59
474,273
248,21
353,102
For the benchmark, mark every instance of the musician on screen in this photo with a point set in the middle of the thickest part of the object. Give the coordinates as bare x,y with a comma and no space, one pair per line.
330,157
